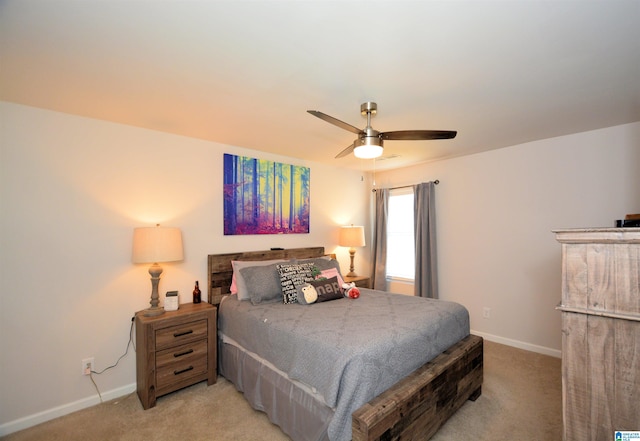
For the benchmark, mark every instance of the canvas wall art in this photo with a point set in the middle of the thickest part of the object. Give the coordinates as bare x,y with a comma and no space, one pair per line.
264,197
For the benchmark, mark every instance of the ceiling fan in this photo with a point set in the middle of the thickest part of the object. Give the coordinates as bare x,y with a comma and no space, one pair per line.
369,143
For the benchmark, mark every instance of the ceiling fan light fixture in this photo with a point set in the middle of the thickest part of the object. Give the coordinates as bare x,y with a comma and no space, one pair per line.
368,147
369,142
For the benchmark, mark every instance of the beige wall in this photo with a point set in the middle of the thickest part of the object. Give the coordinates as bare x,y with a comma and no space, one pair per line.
495,213
72,191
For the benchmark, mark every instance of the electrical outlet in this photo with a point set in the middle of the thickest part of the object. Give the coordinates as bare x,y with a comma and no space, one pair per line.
87,366
486,312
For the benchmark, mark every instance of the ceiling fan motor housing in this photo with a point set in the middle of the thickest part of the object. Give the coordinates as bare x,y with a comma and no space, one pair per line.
368,108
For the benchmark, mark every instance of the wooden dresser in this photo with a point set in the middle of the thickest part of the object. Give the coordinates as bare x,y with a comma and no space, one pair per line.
175,350
600,332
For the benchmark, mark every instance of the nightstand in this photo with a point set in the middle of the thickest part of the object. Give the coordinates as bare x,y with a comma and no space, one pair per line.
360,281
175,350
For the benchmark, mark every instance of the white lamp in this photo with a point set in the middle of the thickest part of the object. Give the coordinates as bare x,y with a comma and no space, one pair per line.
351,237
154,245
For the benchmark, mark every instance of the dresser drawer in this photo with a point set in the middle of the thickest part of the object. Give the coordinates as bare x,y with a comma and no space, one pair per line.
178,365
180,334
189,352
174,376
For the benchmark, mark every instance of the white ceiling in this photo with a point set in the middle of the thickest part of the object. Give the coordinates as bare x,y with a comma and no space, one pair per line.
244,72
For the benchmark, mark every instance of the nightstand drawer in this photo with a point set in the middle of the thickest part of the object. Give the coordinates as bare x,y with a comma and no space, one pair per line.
188,352
171,377
176,335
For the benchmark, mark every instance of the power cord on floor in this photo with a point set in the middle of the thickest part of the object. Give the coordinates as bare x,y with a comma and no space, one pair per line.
129,343
95,385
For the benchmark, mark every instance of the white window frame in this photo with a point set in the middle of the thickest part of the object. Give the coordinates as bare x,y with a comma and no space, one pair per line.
394,238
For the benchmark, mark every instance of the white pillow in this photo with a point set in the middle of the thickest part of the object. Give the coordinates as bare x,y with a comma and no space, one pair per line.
238,285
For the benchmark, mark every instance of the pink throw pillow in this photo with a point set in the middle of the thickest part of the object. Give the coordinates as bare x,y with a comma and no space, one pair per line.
332,272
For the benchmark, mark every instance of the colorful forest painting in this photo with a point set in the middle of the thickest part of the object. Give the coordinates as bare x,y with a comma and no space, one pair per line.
264,197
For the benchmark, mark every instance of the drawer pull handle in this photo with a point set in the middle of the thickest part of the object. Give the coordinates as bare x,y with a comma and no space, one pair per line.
180,354
190,368
180,334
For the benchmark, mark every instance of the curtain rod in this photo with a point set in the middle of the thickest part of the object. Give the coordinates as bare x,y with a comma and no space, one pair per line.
406,186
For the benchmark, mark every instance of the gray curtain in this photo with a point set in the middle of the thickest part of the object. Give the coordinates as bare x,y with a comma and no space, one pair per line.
426,278
379,273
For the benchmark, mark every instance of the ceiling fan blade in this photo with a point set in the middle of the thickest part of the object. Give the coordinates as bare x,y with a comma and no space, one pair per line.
346,151
416,135
335,122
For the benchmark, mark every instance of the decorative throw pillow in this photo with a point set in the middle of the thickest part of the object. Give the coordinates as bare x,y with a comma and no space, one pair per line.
329,273
262,283
322,263
238,285
327,289
291,276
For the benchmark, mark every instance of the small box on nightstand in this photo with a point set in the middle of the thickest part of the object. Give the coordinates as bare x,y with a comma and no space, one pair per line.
171,301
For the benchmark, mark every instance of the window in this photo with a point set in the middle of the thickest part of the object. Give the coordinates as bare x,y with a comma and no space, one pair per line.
400,236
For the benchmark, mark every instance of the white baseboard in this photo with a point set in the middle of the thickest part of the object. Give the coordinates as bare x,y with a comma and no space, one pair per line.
65,409
519,344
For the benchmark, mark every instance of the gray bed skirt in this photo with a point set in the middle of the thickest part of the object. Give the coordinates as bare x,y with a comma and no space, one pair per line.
288,404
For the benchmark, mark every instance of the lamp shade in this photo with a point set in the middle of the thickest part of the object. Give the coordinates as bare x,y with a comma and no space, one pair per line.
351,236
157,244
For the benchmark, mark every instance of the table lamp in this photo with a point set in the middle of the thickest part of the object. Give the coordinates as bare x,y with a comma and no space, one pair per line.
351,237
154,245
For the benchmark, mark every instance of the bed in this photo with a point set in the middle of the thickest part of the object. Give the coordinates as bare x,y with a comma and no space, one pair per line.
370,368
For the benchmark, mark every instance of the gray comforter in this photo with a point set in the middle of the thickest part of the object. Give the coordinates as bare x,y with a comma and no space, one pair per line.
349,351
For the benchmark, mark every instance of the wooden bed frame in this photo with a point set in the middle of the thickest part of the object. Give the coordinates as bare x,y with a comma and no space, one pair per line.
412,409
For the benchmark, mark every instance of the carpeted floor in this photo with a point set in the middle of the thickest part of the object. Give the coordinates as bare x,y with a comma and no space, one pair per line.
521,399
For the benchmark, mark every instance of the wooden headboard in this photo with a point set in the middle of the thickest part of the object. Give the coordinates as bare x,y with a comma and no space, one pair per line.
220,271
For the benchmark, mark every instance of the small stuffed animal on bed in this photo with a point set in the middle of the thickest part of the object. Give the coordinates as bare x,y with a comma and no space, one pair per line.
351,291
307,294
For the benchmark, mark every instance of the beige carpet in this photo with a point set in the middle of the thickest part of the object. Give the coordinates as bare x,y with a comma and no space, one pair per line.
521,400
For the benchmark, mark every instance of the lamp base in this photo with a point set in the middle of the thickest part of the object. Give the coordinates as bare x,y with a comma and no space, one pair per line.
153,311
352,254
